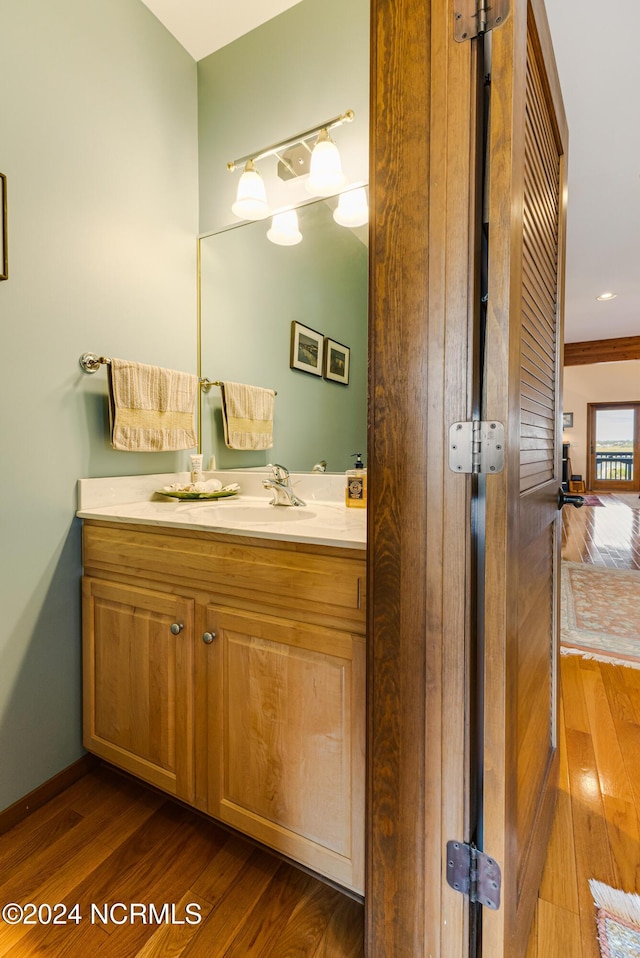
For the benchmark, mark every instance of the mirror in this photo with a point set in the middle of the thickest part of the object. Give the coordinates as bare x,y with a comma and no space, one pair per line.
251,292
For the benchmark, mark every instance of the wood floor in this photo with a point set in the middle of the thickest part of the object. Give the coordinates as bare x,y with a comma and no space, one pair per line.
107,839
604,536
596,832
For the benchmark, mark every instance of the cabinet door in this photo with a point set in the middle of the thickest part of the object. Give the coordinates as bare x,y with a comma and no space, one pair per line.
138,682
285,723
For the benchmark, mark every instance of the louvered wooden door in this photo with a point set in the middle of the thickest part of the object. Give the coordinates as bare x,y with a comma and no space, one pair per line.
524,332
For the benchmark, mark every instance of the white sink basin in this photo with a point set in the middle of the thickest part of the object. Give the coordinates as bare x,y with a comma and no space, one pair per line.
259,513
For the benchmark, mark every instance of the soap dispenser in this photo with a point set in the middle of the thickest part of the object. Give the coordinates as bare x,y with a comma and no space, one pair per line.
356,490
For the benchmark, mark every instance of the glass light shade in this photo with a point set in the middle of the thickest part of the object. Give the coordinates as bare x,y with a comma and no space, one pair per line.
325,172
284,229
352,209
251,198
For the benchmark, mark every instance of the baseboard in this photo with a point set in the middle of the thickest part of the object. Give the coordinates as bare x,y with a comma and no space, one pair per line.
48,790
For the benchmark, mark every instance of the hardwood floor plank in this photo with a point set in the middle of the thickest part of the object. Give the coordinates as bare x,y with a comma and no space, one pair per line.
624,839
559,933
612,772
263,927
55,887
222,925
622,702
593,853
41,837
214,882
559,880
64,941
629,737
344,934
576,717
170,941
158,876
307,924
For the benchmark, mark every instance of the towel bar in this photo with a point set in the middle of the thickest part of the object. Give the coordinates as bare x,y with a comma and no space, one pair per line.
91,363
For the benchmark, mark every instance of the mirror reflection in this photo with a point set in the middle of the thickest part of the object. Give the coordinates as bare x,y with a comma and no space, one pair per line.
253,291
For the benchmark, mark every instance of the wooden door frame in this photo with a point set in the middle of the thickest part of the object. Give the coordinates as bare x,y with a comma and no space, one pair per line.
613,486
421,335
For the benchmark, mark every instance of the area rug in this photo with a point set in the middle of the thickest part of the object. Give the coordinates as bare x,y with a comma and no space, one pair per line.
592,501
618,921
600,613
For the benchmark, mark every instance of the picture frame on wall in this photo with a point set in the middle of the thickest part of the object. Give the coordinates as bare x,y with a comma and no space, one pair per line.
307,349
567,420
337,358
4,247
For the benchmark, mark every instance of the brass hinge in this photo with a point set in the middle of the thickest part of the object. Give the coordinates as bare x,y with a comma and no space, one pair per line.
476,447
473,873
472,18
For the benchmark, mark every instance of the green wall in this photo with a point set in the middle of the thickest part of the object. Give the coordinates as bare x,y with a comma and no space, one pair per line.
98,139
252,290
303,67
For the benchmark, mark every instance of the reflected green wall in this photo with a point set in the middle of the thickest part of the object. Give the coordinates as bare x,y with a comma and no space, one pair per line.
252,290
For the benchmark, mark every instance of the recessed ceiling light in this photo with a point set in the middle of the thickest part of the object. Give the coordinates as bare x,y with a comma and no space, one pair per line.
603,297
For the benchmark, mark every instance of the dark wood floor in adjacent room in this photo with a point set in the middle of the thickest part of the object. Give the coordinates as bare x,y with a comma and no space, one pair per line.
107,839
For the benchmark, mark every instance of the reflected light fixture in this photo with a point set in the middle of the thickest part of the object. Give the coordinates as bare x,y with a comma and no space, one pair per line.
352,209
325,176
321,161
251,198
605,297
284,229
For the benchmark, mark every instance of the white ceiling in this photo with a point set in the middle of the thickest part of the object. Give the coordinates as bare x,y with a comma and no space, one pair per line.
599,68
202,26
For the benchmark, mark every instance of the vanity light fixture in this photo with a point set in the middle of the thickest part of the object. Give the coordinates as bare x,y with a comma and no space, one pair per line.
284,229
605,297
325,175
297,156
352,209
251,198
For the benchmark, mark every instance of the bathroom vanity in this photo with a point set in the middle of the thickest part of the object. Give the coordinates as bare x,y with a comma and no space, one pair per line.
224,662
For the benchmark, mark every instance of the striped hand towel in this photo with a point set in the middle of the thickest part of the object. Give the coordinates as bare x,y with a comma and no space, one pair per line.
247,415
151,409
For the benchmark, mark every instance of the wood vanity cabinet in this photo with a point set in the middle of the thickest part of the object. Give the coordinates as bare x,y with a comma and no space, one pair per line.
138,699
254,711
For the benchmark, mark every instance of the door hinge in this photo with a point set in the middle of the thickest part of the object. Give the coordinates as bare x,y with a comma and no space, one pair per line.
476,447
473,873
472,18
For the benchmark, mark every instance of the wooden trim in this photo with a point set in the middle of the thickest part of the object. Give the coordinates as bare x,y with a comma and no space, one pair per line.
602,351
422,155
631,485
43,793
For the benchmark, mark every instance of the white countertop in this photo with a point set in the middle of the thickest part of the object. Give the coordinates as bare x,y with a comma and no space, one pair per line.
324,520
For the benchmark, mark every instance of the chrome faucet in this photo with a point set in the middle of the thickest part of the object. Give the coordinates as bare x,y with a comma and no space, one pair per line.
280,483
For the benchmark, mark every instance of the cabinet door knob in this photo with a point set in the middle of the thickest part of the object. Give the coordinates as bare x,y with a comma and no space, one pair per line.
176,628
208,637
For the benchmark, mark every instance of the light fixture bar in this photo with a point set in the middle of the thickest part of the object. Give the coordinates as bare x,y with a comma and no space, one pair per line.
285,144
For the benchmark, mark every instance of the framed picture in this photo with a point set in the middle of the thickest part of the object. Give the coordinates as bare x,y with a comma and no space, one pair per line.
307,349
336,361
4,249
567,420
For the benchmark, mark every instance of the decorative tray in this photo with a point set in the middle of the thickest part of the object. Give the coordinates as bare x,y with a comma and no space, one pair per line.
182,494
210,489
